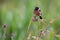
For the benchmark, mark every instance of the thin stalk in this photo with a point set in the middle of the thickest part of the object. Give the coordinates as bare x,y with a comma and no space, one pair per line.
12,36
29,25
29,33
4,35
5,28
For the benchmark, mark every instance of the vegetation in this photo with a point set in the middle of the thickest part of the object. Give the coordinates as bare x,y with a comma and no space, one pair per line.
16,20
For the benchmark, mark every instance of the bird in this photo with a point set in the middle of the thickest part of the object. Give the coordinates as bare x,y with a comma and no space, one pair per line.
37,12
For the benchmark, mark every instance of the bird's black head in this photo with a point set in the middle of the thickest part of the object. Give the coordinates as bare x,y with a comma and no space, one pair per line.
36,8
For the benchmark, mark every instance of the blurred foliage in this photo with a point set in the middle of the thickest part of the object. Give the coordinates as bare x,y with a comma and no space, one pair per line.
17,14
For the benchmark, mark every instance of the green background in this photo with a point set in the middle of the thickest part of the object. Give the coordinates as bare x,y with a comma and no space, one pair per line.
17,15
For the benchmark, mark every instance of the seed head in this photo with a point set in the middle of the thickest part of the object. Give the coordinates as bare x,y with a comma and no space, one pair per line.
4,26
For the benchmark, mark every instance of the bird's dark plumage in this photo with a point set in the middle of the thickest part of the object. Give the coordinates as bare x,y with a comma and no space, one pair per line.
36,8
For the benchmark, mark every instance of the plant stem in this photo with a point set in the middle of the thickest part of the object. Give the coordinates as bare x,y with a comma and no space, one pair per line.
4,35
29,28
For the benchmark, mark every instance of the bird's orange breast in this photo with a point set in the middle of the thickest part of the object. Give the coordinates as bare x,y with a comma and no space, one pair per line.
36,13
